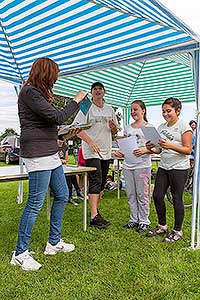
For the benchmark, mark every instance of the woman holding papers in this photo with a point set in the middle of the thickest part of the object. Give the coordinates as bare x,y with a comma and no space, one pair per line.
96,146
38,145
175,148
137,168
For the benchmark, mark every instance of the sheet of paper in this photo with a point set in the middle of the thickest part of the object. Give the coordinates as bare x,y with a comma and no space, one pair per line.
151,134
127,145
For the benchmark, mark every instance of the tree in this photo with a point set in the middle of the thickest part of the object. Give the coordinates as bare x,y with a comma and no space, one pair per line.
60,102
8,131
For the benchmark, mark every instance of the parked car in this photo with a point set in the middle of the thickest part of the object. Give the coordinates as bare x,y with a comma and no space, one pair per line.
9,149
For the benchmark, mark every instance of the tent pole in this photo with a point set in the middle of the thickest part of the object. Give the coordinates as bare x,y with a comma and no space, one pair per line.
196,185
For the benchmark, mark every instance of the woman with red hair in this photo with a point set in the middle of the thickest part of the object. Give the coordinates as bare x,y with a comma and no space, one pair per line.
39,121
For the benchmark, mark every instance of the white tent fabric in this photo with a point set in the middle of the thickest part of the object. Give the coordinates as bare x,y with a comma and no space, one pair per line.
86,36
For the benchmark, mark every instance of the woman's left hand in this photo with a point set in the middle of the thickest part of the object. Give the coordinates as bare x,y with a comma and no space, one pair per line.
165,144
72,132
140,151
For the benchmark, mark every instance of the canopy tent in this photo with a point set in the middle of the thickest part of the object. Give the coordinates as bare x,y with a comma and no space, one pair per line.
83,35
151,81
86,36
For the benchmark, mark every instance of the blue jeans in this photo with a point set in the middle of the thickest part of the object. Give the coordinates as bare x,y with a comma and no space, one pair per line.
39,181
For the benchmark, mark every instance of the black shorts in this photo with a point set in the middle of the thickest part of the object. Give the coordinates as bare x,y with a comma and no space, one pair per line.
97,179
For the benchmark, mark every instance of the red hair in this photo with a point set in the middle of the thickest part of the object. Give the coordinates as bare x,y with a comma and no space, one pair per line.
43,75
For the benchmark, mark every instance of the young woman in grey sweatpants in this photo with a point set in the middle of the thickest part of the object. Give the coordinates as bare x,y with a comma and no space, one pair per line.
137,191
137,170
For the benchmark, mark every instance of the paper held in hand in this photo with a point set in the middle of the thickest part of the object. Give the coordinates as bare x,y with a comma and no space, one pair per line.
151,134
127,145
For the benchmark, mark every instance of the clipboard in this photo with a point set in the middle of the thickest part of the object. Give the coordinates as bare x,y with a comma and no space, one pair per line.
68,129
151,134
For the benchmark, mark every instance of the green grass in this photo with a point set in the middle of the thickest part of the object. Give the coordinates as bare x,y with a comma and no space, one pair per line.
107,264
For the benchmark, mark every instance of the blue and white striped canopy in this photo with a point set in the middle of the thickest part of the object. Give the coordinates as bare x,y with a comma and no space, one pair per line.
86,36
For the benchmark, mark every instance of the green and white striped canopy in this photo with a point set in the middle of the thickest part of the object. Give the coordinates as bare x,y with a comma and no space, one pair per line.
151,81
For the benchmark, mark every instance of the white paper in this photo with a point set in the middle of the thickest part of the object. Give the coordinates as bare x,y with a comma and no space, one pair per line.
127,145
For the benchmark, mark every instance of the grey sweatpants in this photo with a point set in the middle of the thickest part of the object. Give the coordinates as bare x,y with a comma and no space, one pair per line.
138,193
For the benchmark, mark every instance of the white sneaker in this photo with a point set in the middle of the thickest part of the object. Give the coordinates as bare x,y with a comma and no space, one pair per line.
59,247
26,261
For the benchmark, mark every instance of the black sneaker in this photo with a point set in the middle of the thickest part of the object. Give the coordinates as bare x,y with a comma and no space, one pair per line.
143,228
131,225
71,201
104,221
80,195
97,222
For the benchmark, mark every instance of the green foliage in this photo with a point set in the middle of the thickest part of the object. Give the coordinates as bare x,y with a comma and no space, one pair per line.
118,114
111,264
60,102
8,131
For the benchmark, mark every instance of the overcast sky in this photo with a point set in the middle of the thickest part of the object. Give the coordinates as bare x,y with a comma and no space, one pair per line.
188,11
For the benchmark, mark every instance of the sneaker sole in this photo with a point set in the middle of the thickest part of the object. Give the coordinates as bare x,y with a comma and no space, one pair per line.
54,253
14,263
100,227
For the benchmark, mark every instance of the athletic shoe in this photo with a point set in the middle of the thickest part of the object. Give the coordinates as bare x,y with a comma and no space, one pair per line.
174,236
159,230
131,225
80,196
26,261
97,222
71,201
143,228
59,247
107,223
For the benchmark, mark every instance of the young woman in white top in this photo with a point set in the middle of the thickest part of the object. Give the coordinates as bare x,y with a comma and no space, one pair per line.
175,148
96,145
138,173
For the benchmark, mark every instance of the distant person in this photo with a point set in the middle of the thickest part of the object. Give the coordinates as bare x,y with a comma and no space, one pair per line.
81,160
193,125
175,148
81,163
96,145
71,180
137,174
111,184
38,142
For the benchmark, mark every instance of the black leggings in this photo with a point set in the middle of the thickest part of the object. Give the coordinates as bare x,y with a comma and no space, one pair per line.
176,180
97,179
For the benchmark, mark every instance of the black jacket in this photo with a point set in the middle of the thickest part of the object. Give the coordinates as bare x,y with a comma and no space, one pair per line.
39,120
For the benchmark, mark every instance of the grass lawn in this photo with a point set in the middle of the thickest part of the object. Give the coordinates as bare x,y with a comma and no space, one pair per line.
107,264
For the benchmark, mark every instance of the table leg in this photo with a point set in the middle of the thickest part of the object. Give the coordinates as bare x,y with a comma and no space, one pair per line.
85,203
118,181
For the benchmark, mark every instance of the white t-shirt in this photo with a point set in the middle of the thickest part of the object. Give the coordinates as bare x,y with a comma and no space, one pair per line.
170,159
146,158
44,163
100,132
